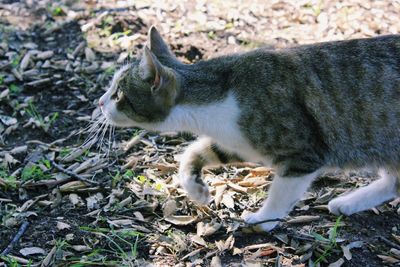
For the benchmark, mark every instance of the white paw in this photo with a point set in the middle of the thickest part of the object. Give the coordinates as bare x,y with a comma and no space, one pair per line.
342,205
196,191
252,218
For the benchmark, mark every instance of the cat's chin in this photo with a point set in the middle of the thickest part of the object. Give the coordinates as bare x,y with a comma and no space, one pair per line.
118,121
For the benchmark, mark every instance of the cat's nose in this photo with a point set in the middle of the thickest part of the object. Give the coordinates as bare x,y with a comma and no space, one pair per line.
101,103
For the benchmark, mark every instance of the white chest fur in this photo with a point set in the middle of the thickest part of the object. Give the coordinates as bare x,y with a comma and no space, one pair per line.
217,120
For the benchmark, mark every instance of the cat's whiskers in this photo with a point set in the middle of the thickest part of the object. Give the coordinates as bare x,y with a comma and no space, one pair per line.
92,123
110,137
94,132
103,133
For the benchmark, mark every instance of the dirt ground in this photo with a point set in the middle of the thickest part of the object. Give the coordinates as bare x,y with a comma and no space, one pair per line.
96,196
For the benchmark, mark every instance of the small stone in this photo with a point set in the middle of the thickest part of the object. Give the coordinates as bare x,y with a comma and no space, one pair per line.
30,46
89,54
45,55
231,40
46,64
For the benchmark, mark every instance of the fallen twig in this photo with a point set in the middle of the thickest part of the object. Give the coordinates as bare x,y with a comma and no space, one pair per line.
72,174
14,241
259,222
388,242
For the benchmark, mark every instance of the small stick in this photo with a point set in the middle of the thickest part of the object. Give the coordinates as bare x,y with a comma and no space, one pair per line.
14,241
72,174
388,242
259,222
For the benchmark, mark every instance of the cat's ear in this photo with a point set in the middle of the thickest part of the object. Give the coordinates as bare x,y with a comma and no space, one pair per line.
158,46
151,70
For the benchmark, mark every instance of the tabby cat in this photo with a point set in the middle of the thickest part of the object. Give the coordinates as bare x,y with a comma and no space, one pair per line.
301,110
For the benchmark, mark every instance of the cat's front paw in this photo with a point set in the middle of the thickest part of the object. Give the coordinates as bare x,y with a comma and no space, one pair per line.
253,218
341,205
196,190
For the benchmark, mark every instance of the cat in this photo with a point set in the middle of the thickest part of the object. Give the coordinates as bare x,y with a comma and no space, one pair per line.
301,110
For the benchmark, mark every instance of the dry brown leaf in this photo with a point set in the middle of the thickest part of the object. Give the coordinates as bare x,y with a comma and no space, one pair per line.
131,163
396,237
261,171
92,202
48,260
227,244
169,207
216,261
72,186
121,222
303,219
207,229
81,248
388,259
219,192
31,251
228,201
75,200
238,188
181,219
346,249
62,226
198,240
395,252
337,263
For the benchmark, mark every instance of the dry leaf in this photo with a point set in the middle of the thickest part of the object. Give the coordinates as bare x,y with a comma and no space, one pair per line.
47,261
207,229
62,226
72,186
388,259
215,262
122,222
81,248
303,219
228,201
227,244
181,220
198,240
75,200
238,188
337,263
219,192
92,202
346,249
261,171
32,251
169,207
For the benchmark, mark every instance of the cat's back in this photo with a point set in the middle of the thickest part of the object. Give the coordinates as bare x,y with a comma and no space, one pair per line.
351,90
343,94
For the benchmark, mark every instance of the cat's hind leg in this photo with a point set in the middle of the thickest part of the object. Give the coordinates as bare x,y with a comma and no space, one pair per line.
199,154
366,197
283,194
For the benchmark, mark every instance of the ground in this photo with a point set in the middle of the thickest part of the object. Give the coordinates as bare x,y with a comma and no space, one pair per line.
121,206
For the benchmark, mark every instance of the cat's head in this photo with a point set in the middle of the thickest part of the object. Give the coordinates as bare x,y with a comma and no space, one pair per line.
145,90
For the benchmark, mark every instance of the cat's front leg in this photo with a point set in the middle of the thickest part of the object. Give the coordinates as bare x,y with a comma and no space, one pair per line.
283,194
199,154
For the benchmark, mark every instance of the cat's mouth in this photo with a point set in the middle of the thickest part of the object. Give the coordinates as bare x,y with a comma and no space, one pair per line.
114,117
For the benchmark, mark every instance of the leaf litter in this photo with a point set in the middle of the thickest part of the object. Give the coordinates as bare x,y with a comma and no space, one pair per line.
98,195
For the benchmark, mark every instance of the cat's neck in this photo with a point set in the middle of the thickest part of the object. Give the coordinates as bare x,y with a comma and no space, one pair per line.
203,119
206,81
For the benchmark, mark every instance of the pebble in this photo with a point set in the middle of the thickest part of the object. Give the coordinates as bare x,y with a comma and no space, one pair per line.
30,46
25,61
45,55
89,54
46,64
